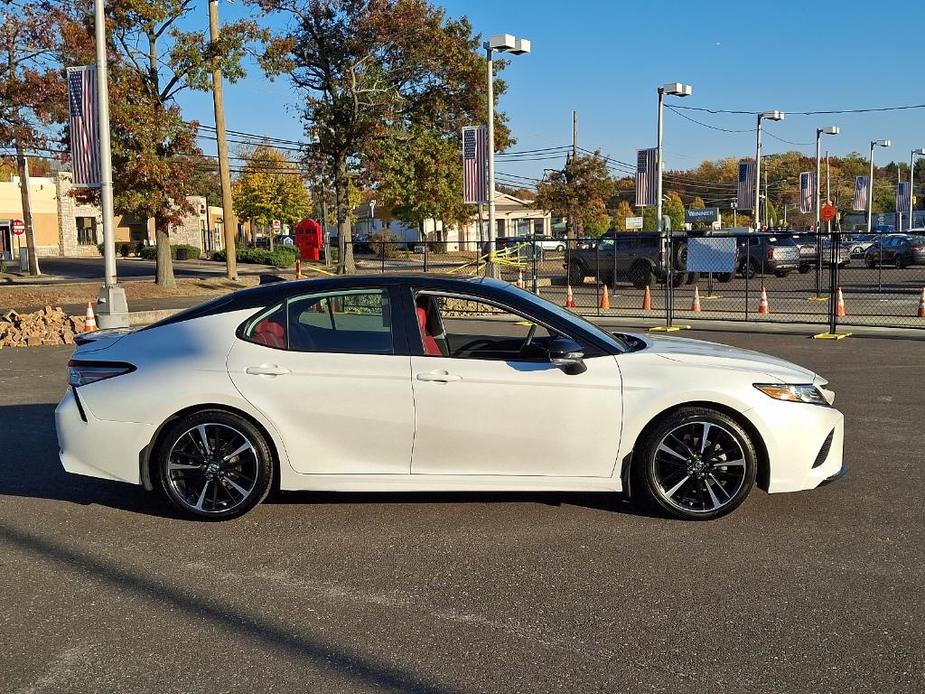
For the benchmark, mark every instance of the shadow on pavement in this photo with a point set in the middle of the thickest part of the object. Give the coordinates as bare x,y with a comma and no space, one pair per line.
354,667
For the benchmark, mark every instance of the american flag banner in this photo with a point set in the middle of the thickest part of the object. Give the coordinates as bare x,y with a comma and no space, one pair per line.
807,191
745,195
646,177
84,126
860,193
475,164
903,191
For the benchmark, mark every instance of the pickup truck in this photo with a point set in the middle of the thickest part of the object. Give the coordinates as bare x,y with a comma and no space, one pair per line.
628,256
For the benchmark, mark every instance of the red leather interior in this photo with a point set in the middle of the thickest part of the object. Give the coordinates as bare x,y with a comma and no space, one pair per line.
431,348
270,333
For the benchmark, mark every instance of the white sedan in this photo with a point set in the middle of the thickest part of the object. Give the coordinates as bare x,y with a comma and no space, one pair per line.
430,383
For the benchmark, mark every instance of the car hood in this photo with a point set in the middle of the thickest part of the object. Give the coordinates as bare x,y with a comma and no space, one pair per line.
715,355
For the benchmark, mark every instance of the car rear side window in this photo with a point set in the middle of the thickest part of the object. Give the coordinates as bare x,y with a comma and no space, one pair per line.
353,322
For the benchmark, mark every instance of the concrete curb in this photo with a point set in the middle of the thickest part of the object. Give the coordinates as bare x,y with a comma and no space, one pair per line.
139,318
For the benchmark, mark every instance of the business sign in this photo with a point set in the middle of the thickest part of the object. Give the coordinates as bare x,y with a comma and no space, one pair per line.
711,253
18,227
276,226
706,215
633,223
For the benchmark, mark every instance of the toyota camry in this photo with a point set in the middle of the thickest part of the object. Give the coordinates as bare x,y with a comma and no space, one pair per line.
435,383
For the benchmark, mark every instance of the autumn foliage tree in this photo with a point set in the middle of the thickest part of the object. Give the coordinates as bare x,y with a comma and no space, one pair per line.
374,73
151,60
30,87
579,191
270,187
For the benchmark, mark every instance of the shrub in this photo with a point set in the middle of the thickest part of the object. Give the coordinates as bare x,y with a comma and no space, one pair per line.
384,242
181,251
125,249
283,256
99,247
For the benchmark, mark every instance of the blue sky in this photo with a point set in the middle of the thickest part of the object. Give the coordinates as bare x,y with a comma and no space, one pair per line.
606,58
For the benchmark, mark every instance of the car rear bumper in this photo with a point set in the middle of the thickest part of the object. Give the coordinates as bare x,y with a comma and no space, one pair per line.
99,448
837,476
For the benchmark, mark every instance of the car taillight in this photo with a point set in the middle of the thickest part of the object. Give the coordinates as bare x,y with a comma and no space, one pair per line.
770,254
80,373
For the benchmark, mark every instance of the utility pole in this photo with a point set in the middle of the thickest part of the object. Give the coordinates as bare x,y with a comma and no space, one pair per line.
112,306
229,222
574,134
22,163
570,222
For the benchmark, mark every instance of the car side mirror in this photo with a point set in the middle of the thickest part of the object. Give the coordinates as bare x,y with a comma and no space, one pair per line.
567,355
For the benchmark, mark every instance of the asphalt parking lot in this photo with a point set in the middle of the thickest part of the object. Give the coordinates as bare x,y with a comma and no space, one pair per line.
104,590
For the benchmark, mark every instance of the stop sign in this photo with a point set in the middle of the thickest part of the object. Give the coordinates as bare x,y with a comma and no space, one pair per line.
827,213
18,227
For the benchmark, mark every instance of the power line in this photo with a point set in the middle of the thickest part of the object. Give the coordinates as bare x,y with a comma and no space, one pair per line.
707,125
878,109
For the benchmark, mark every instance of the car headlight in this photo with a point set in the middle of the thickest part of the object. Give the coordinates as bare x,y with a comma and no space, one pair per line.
799,392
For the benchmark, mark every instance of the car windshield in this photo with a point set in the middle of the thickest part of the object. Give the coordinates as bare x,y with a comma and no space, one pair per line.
569,316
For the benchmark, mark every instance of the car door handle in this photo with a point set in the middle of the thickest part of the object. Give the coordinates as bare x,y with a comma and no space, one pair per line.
267,370
439,377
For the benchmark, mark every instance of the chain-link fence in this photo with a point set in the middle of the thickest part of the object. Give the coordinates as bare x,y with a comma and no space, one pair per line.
829,280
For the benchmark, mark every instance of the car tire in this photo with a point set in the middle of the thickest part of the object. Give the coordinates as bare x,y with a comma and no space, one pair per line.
691,484
678,278
213,465
899,263
576,274
869,262
560,249
642,275
692,277
724,277
803,269
750,270
781,273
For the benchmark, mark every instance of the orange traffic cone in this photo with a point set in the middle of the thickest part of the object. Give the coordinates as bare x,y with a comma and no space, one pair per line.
89,319
520,279
647,300
763,306
695,306
298,268
840,306
569,298
605,298
922,304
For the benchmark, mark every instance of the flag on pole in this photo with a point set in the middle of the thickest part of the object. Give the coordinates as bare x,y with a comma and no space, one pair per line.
745,195
84,126
860,193
903,191
647,177
807,191
475,164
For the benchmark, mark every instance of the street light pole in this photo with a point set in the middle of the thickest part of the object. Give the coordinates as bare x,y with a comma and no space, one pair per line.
500,43
817,185
870,180
112,306
658,160
915,153
770,115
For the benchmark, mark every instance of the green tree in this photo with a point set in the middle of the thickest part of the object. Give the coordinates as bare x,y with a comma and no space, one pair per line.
673,208
579,191
420,178
270,187
374,73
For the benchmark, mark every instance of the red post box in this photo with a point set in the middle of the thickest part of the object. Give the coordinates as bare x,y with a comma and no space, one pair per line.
308,239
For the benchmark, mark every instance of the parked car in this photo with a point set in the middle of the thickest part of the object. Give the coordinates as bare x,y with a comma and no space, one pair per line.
857,244
809,252
548,243
415,383
634,257
760,254
898,250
